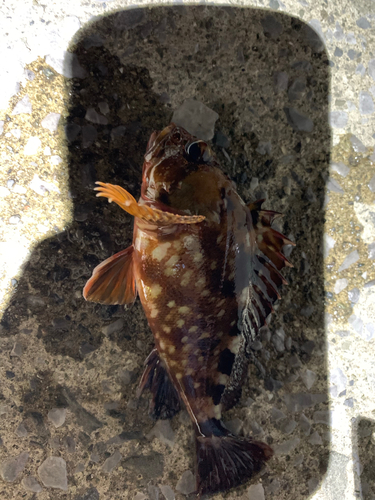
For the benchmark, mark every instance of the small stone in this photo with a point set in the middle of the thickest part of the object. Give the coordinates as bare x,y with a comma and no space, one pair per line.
21,430
353,295
366,104
112,462
305,424
298,121
167,492
271,26
338,119
118,132
86,349
9,374
298,460
351,39
196,118
315,439
255,492
343,333
163,431
234,426
286,447
23,107
314,35
288,426
221,140
340,168
349,402
89,134
349,260
57,416
339,379
278,342
114,327
371,251
360,70
322,417
369,284
153,492
69,444
312,484
308,378
281,81
66,64
297,89
94,117
51,122
356,323
4,192
16,132
71,131
32,146
299,401
352,54
79,468
277,415
329,243
264,148
363,23
371,68
186,483
340,285
371,184
9,469
333,185
14,219
140,496
90,494
31,484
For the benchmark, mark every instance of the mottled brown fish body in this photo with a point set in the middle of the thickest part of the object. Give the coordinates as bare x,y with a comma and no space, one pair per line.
207,270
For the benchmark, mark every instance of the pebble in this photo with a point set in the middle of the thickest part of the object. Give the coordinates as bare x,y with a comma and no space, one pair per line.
338,52
371,184
340,285
71,131
66,64
329,243
69,444
298,401
167,492
31,484
278,341
315,438
338,379
186,483
271,26
305,424
16,132
371,68
350,38
153,492
322,417
221,140
234,426
118,132
163,431
272,385
349,260
112,462
21,430
312,484
360,70
297,89
140,496
288,426
9,469
90,494
340,168
366,104
94,117
369,284
114,327
286,447
32,146
51,122
23,107
255,492
4,192
314,35
281,81
277,415
353,295
298,460
308,378
349,402
333,185
89,134
57,416
356,323
196,118
14,219
298,121
104,108
363,23
338,119
79,468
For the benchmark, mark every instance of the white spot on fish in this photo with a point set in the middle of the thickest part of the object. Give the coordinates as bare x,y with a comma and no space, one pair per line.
184,339
166,329
260,238
162,345
223,379
221,313
193,329
247,239
234,346
205,293
172,260
154,313
171,303
160,251
213,265
201,282
219,239
196,385
217,411
171,349
179,376
186,278
155,290
190,242
180,323
205,335
198,257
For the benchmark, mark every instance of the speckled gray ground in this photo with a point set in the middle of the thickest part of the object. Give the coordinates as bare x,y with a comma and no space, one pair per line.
70,425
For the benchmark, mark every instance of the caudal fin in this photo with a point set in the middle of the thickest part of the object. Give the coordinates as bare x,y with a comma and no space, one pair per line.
226,461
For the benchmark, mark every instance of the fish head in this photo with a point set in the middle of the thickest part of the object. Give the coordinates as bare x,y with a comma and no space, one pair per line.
177,166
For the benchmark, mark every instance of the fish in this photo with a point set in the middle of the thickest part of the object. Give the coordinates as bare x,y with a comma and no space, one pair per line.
206,267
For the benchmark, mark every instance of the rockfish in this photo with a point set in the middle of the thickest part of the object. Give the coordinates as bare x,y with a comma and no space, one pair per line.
206,268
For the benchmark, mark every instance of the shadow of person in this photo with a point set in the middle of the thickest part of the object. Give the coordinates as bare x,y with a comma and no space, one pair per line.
266,76
364,457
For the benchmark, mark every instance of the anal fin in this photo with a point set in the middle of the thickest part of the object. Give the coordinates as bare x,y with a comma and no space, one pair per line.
165,402
112,282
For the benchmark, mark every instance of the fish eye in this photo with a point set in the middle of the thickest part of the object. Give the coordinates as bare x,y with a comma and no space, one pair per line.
176,137
197,151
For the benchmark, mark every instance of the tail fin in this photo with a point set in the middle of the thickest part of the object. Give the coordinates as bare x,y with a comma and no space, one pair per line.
225,461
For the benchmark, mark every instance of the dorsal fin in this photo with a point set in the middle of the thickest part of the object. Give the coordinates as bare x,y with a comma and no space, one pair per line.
112,282
149,214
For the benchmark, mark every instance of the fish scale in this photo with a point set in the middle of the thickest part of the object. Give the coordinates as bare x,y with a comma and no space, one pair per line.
206,268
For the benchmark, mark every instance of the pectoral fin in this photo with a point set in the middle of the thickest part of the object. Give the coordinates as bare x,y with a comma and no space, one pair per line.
112,281
149,214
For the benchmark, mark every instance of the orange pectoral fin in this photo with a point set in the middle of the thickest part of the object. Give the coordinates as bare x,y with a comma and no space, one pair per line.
126,201
112,282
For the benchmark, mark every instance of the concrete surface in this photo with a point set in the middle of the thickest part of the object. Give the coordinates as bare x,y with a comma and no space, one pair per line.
295,125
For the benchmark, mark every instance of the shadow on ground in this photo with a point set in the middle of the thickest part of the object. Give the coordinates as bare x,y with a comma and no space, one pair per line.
267,77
